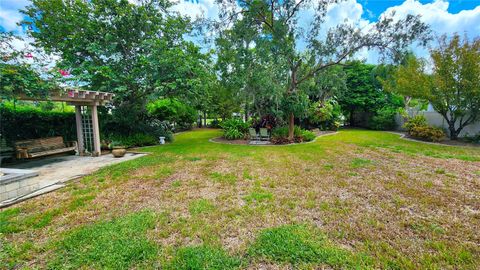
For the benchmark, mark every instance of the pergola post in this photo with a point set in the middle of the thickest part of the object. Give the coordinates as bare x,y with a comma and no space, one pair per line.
78,120
96,131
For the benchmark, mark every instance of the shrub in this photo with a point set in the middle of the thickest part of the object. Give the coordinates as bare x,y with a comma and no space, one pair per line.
135,140
308,135
325,115
30,123
173,111
418,120
280,135
384,119
234,129
417,127
428,133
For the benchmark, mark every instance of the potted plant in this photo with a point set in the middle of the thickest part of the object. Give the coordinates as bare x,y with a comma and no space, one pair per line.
118,150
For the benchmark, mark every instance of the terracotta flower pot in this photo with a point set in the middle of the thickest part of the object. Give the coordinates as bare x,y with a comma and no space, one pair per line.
119,152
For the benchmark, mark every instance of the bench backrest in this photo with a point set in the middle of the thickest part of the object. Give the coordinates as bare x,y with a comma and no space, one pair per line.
40,145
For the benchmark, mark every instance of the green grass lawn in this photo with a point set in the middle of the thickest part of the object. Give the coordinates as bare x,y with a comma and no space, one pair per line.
353,200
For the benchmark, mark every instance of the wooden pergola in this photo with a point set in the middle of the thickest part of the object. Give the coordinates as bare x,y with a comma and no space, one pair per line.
86,114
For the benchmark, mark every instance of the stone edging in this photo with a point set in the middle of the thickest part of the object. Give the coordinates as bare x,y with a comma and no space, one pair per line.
290,144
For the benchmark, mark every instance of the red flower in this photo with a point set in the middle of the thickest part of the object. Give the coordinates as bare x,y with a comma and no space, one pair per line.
28,55
64,72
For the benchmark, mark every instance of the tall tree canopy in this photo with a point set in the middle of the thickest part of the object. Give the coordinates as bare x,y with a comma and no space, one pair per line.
278,23
134,50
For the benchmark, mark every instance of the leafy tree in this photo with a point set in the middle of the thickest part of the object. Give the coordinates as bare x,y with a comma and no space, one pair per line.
399,80
18,76
277,22
456,82
136,50
246,64
453,88
173,111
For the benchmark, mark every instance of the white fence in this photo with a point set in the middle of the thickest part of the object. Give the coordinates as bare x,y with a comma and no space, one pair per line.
437,120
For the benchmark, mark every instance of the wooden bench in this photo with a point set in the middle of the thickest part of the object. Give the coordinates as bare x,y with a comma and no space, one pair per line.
43,147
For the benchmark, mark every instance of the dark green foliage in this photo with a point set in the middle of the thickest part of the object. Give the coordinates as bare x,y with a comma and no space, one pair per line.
173,111
308,136
384,119
26,123
364,98
203,258
136,140
117,244
21,78
234,128
297,244
280,135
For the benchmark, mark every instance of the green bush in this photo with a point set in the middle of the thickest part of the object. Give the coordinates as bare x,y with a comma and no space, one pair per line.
417,127
308,135
325,115
174,111
428,133
135,140
280,135
30,123
384,119
418,120
234,129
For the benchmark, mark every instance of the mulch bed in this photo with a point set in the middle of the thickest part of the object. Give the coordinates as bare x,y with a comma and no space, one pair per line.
246,142
444,142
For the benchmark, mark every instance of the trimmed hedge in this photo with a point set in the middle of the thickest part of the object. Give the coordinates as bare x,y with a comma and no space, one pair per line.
21,124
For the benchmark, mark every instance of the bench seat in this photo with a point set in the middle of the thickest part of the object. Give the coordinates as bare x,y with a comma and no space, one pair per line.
43,147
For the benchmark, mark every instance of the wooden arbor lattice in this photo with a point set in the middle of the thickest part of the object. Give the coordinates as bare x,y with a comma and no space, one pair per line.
86,114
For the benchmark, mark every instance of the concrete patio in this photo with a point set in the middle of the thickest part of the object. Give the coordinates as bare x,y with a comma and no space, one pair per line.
52,172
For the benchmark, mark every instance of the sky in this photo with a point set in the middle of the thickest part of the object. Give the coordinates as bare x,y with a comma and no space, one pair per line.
444,16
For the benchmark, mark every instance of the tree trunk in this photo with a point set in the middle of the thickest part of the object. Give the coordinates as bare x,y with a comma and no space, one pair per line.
352,119
453,132
199,122
204,119
291,127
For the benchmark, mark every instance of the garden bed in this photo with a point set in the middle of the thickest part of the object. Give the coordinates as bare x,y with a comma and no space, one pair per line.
319,133
446,142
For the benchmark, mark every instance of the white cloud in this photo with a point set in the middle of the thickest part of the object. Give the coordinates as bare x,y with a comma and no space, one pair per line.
9,19
196,8
437,16
441,22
